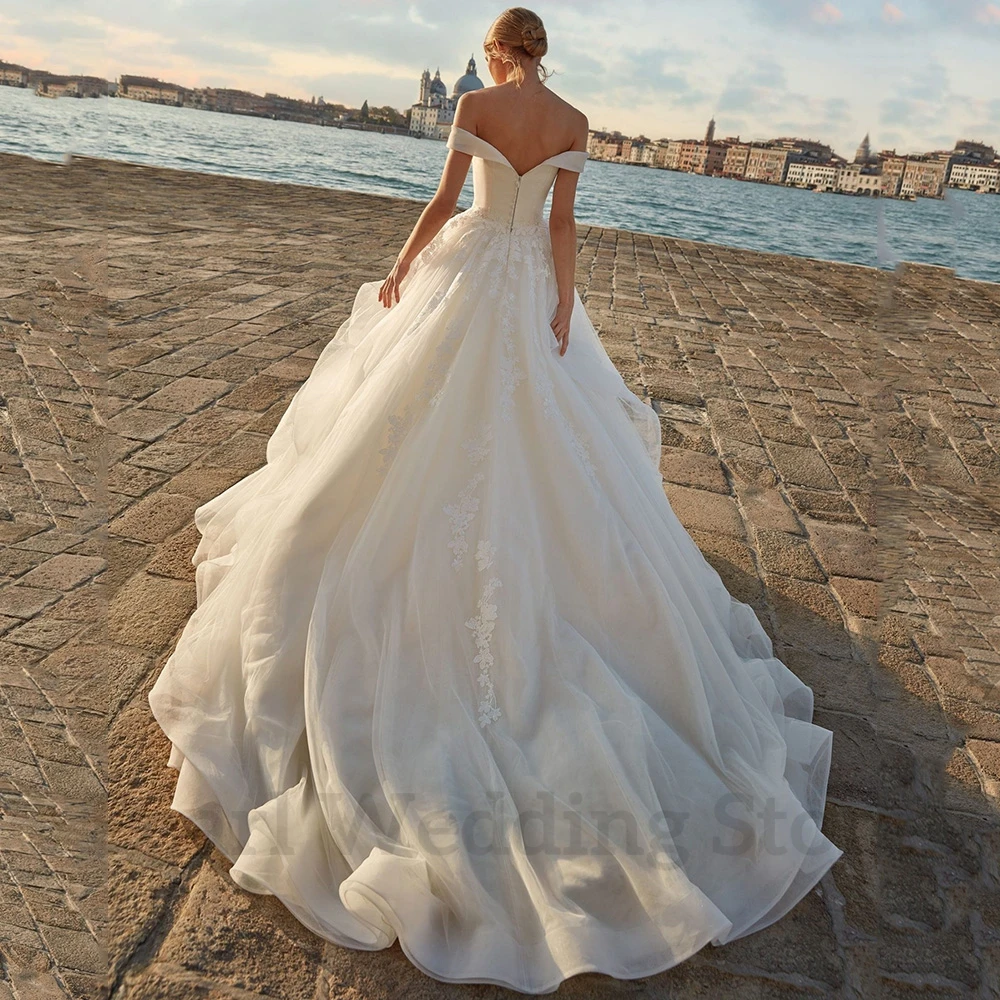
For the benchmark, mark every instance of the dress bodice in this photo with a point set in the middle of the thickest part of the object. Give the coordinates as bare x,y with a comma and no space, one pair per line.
500,192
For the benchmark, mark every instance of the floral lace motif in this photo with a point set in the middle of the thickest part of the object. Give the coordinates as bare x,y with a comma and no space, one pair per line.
544,382
477,447
439,370
583,455
399,424
482,626
485,551
461,515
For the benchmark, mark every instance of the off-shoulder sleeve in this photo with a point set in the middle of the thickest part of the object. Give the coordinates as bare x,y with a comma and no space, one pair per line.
572,159
464,141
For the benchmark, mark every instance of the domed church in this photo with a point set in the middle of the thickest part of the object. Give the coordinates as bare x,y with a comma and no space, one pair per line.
434,111
468,82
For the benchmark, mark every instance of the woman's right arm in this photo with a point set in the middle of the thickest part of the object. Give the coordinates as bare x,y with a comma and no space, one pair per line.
562,232
436,213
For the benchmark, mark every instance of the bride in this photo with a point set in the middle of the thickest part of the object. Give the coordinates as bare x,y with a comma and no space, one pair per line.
457,674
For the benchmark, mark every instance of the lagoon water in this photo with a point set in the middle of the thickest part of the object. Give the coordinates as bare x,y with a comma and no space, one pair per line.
961,232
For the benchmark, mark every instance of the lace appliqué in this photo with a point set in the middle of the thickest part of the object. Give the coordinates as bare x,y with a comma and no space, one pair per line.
510,371
583,456
485,551
461,515
510,376
399,424
545,390
439,371
477,447
482,626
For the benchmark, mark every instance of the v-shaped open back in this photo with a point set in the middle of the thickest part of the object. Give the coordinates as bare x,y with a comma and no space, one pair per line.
501,193
467,142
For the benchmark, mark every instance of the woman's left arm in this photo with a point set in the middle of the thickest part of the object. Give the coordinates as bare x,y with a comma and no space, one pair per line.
435,214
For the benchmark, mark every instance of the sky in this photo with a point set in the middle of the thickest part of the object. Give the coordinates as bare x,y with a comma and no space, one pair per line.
916,74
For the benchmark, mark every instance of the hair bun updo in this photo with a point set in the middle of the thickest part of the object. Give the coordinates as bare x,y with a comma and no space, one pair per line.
518,28
534,40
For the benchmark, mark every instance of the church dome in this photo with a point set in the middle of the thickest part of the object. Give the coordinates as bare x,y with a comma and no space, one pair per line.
437,85
468,82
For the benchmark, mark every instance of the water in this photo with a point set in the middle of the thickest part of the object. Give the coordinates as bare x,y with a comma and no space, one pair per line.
962,232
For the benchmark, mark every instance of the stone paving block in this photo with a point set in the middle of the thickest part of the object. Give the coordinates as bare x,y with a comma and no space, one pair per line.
19,601
257,393
45,633
705,511
140,819
144,424
801,466
148,610
173,556
847,551
787,554
187,394
221,926
64,572
142,890
691,468
154,517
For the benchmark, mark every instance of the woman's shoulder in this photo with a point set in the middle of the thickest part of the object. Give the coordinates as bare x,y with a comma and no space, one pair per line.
570,116
570,110
575,123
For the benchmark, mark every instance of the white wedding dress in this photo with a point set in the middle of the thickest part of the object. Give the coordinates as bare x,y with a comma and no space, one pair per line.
459,676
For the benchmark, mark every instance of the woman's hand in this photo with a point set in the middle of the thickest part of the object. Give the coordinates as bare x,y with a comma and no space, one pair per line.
560,325
389,292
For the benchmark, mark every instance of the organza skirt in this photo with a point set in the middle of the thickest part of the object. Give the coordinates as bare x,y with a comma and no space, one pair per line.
457,674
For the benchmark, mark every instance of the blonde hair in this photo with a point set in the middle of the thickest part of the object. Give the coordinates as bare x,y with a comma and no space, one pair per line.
518,32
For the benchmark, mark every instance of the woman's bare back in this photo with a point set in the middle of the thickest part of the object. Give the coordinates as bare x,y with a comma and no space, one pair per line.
527,125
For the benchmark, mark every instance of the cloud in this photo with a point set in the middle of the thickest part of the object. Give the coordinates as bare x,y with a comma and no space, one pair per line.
988,14
760,96
59,29
827,13
221,55
924,103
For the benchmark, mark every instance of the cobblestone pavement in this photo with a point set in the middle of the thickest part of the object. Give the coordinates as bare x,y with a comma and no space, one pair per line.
802,403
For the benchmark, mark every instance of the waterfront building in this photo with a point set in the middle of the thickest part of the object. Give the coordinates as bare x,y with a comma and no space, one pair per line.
806,173
656,153
972,165
975,176
51,85
12,75
672,158
433,114
892,166
151,90
637,149
968,151
923,177
228,100
692,158
859,178
649,153
605,145
715,158
735,163
766,162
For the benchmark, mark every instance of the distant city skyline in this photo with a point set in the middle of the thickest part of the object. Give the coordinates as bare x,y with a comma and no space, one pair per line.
914,74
